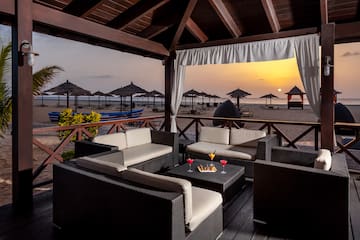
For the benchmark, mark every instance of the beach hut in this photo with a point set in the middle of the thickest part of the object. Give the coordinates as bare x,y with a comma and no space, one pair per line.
128,91
238,93
295,103
268,96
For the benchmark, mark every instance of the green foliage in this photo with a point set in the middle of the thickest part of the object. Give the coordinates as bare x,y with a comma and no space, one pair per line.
69,118
68,155
5,98
40,78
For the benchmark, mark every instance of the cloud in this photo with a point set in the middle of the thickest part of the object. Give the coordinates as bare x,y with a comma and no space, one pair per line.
351,54
104,76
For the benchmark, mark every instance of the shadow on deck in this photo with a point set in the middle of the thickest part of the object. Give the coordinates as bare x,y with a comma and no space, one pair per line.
238,219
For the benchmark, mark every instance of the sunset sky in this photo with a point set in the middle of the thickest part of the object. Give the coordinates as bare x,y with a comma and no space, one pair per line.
96,68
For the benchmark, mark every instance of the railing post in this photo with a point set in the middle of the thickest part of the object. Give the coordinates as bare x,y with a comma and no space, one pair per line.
197,130
316,138
269,128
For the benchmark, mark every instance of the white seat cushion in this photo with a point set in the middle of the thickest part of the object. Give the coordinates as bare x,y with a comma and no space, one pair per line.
214,135
206,148
164,183
323,160
235,154
114,139
138,136
204,202
102,166
144,152
242,135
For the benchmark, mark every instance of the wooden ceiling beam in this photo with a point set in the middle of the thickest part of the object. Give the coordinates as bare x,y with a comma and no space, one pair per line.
324,11
196,31
58,19
253,38
135,12
271,15
81,7
7,7
226,17
181,26
347,32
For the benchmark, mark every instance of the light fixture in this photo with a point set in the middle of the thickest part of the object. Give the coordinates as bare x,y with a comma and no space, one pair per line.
327,66
27,51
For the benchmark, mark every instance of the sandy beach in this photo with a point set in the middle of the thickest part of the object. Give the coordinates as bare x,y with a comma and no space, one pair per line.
40,119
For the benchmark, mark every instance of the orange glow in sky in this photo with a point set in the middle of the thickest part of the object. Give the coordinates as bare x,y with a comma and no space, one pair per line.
258,78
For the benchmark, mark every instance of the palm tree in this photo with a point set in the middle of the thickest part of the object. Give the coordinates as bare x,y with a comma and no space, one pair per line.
40,78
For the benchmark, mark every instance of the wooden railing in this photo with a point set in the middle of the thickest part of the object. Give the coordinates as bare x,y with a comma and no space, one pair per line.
188,128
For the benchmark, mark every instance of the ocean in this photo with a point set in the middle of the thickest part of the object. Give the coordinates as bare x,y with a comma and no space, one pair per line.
187,101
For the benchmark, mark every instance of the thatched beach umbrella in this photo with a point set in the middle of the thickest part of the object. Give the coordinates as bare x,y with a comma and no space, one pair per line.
238,93
69,88
192,94
269,96
153,94
128,90
100,94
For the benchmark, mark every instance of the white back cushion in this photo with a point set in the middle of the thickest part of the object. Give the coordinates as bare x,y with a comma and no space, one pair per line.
114,139
138,136
102,166
214,135
164,183
242,135
323,160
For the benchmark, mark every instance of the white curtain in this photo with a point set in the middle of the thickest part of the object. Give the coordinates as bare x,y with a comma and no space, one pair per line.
177,93
306,52
307,57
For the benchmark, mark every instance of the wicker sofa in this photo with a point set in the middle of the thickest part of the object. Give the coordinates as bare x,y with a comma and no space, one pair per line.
238,146
290,194
131,204
141,148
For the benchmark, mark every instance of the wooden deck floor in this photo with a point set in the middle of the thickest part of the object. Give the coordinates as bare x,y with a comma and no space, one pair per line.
237,219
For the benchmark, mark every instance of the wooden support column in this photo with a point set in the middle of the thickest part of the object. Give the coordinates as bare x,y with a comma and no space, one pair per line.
327,87
169,78
22,110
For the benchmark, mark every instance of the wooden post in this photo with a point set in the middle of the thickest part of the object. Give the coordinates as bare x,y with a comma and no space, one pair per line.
22,110
169,78
327,87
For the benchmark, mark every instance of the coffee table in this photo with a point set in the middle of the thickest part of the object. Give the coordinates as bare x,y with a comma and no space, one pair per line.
228,184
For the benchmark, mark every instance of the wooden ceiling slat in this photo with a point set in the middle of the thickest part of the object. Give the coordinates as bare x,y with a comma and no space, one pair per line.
80,7
154,30
271,15
181,26
347,32
324,11
135,12
196,31
79,25
91,9
226,17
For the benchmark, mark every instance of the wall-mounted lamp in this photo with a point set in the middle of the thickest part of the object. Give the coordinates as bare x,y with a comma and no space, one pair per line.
27,51
327,66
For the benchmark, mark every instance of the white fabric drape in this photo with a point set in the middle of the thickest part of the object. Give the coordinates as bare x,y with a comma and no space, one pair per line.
306,51
307,57
177,93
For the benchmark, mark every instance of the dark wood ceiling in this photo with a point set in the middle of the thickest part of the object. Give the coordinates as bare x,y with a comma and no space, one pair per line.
191,23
